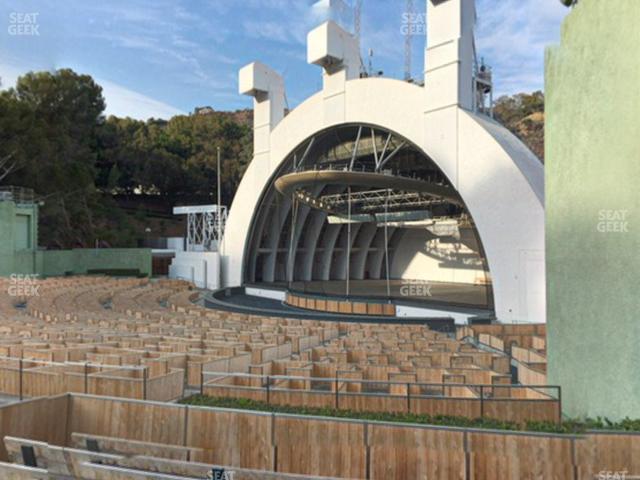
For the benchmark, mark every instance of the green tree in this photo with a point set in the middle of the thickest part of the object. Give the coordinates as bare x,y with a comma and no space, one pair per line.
114,177
15,121
56,145
523,114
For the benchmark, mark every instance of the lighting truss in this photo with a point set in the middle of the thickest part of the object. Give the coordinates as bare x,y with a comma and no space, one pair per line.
373,200
382,146
370,200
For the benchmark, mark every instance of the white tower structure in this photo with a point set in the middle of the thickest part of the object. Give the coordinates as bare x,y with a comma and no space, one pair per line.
369,140
199,263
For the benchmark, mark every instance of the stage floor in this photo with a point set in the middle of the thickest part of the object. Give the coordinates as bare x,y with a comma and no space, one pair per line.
424,293
236,300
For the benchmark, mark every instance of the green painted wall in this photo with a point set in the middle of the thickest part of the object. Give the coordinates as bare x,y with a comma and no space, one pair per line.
6,237
592,138
77,261
58,262
23,260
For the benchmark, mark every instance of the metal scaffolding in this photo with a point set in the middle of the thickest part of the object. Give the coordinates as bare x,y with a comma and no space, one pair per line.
205,226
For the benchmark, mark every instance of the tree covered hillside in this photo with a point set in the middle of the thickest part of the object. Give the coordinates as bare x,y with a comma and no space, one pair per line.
55,139
523,114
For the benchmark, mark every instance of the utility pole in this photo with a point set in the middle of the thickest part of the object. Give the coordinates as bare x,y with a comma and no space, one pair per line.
349,236
357,15
219,212
408,38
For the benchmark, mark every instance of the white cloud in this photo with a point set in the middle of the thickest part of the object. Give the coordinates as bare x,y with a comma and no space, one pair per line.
274,31
123,102
9,75
285,21
198,49
512,35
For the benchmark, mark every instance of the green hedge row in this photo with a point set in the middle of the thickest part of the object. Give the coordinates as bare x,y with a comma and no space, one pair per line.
568,426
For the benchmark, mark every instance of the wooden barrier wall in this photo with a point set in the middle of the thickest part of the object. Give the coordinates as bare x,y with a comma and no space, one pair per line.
34,380
531,376
539,343
135,420
333,305
239,363
522,334
493,342
231,438
538,329
326,446
166,387
527,355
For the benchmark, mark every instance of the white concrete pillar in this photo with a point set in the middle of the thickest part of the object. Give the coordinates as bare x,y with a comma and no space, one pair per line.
338,53
266,86
450,54
448,76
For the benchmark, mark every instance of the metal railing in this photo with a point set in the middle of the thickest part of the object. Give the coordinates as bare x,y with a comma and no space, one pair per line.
341,387
20,195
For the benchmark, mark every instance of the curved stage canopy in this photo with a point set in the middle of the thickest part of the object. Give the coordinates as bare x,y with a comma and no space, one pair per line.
357,209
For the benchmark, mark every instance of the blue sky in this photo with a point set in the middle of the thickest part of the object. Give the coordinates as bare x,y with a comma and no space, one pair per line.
163,57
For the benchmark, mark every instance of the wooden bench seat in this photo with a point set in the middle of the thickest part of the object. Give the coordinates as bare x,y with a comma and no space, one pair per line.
12,471
58,462
121,446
